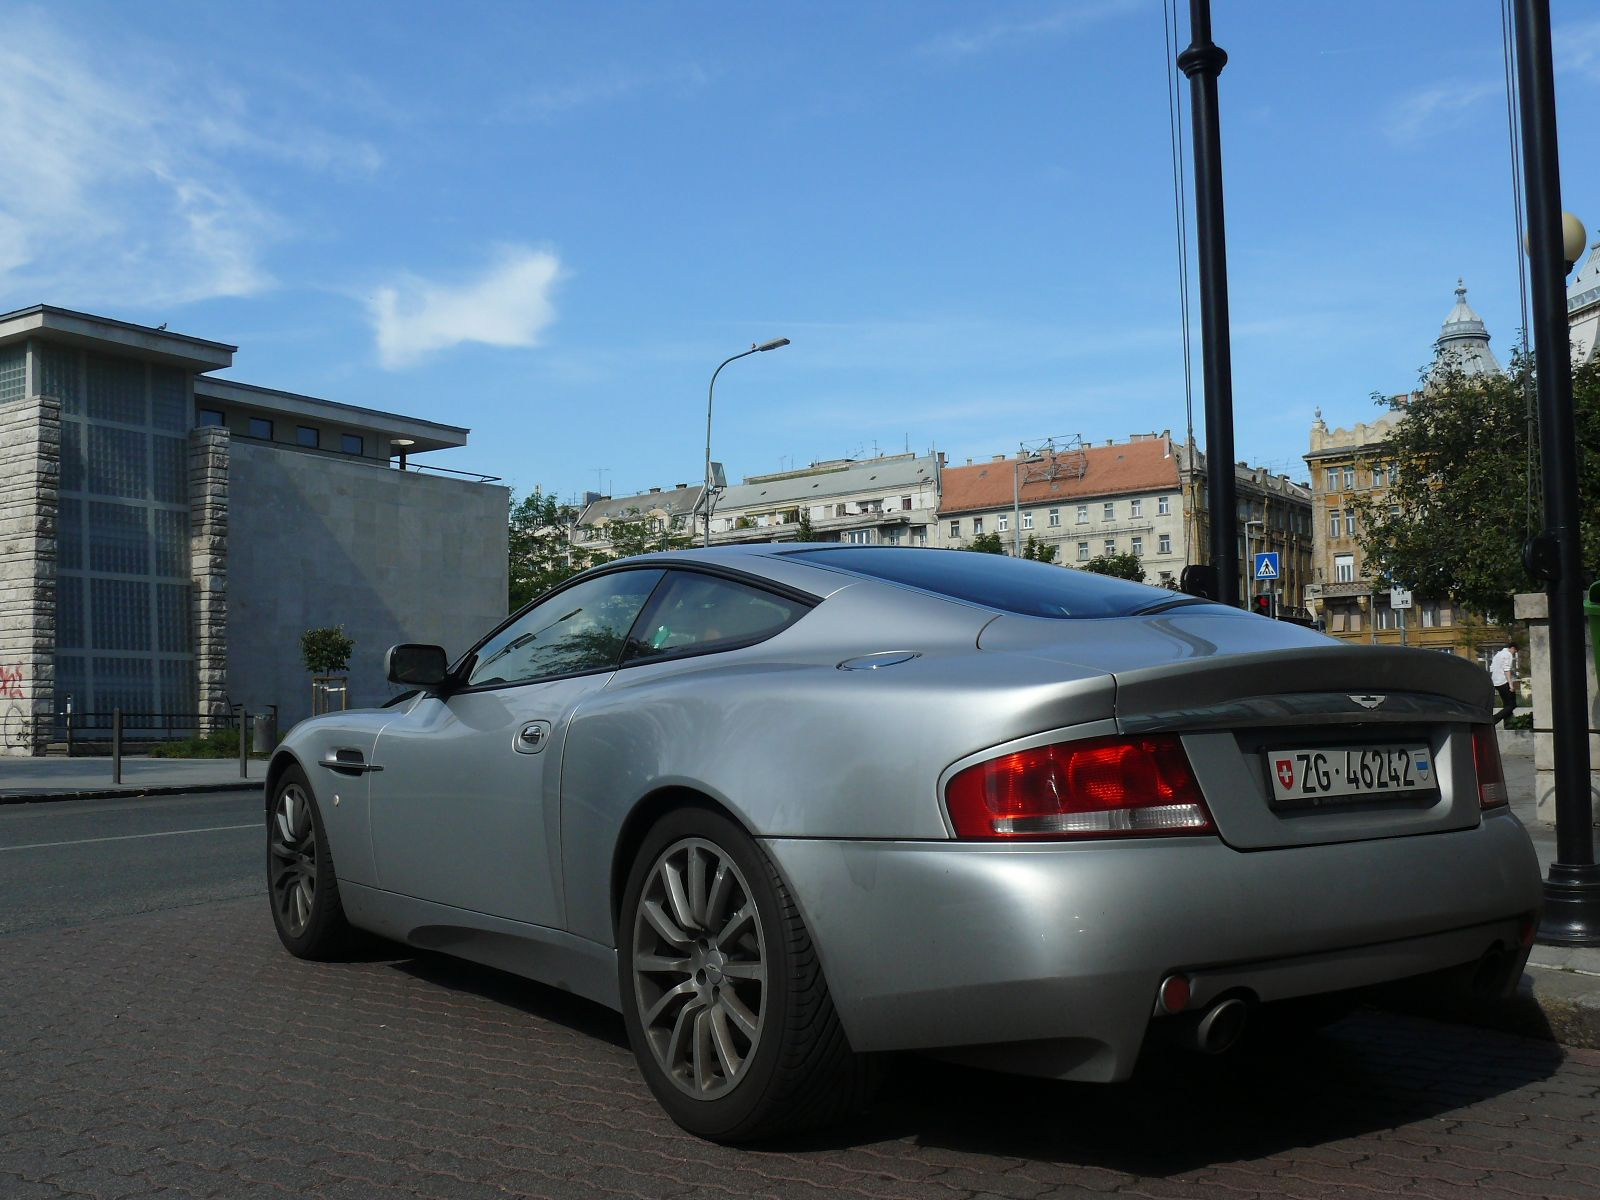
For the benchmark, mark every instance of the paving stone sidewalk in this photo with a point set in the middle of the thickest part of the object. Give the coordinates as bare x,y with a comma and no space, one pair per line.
185,1054
33,780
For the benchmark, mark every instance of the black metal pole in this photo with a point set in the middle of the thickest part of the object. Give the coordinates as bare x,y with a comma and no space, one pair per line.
116,745
244,747
1572,889
1202,62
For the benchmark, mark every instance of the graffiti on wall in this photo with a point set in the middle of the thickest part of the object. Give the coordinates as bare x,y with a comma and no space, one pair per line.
10,683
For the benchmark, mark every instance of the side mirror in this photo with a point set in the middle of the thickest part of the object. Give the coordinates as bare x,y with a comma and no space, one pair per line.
418,665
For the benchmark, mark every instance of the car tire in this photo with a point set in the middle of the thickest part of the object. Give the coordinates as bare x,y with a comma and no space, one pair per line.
723,995
301,884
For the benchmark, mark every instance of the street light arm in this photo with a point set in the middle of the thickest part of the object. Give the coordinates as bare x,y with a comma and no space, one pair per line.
711,392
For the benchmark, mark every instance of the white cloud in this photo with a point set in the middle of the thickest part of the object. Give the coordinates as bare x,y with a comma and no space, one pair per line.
1577,48
1062,22
508,305
1424,112
120,174
553,100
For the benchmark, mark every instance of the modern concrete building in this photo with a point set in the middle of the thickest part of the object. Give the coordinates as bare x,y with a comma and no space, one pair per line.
165,537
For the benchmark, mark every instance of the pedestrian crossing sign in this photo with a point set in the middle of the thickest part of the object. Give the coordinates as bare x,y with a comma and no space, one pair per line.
1267,565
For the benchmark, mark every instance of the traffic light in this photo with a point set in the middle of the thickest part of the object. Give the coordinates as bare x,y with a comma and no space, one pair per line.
1261,605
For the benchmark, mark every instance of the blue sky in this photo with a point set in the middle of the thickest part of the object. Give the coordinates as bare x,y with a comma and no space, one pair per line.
549,222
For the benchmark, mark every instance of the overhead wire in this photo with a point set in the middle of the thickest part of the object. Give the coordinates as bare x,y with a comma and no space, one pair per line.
1169,23
1514,137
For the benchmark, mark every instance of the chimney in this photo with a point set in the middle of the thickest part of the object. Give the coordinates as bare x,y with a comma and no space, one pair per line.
653,491
681,486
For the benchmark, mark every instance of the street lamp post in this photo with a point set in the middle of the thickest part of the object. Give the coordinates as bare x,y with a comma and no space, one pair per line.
1250,560
710,394
1572,889
1016,499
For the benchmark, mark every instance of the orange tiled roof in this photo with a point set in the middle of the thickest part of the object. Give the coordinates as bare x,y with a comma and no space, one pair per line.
1127,467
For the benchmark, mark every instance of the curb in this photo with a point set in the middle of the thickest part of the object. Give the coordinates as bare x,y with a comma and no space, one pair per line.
127,792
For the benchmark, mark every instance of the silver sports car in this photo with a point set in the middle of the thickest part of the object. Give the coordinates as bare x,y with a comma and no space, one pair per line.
788,807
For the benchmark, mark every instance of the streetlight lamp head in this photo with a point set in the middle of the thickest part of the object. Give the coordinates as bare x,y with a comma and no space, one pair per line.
1574,237
776,342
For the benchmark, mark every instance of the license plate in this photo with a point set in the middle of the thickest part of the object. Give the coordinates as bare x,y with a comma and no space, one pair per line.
1338,772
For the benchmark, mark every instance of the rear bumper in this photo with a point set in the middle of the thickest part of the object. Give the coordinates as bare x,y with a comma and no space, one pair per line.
935,945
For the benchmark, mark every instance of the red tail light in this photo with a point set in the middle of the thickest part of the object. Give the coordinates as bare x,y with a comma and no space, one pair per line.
1104,787
1486,760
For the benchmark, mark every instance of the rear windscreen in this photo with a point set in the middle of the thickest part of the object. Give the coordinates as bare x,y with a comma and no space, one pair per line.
1018,585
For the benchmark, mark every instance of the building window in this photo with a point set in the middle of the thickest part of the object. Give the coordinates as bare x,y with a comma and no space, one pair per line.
1135,508
1110,513
1083,514
1004,523
1027,520
350,443
306,435
1083,551
1349,522
1111,546
1163,506
977,526
905,503
955,529
1164,543
211,416
1344,568
1331,479
840,510
1138,547
1349,478
1333,522
1055,517
860,537
260,427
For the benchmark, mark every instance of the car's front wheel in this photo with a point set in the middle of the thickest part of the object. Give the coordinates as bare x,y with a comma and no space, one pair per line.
301,883
724,1000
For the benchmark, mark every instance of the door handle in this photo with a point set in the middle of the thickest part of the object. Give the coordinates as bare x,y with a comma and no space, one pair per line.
531,738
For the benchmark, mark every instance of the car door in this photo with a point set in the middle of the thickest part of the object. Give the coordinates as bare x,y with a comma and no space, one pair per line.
465,806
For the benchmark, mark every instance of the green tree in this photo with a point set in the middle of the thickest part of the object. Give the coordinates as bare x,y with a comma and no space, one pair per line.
1123,566
326,651
633,532
1035,549
987,543
542,553
1454,522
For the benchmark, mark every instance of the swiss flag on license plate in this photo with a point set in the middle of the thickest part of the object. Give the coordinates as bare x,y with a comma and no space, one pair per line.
1285,768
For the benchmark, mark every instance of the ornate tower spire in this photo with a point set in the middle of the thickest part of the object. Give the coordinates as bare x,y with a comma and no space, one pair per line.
1464,341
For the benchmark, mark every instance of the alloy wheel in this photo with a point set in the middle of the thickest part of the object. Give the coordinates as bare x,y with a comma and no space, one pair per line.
294,860
699,968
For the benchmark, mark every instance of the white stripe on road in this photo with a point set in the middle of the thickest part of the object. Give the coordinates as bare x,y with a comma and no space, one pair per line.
125,837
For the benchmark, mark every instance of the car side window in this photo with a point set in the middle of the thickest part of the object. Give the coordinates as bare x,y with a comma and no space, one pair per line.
582,628
696,614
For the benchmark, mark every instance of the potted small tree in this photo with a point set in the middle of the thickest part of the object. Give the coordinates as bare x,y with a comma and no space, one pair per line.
326,654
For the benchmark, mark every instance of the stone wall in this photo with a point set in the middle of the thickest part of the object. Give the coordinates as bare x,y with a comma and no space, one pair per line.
208,565
319,539
1534,608
30,473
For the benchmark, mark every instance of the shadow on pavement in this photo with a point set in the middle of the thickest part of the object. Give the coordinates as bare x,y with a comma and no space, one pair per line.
1182,1112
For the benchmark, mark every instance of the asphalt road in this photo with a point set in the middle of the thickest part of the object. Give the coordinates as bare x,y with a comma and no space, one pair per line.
70,863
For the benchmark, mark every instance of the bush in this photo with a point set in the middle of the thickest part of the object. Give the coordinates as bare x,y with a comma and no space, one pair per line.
1520,721
222,744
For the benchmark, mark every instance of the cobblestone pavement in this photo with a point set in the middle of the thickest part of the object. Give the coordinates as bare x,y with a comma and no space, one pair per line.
183,1053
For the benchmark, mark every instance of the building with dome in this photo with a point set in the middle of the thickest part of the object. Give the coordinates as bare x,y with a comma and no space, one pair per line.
1583,308
1350,466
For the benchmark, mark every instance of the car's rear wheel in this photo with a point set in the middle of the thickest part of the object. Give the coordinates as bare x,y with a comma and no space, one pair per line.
724,1000
301,883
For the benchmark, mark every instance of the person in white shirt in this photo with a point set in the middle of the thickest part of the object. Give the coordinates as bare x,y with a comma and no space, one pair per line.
1503,674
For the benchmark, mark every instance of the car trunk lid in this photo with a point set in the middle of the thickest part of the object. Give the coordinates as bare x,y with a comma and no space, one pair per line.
1255,700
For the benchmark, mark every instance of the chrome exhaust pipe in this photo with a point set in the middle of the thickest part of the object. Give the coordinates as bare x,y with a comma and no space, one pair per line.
1220,1027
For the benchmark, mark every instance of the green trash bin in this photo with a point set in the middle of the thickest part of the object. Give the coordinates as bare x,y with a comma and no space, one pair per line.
1591,609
